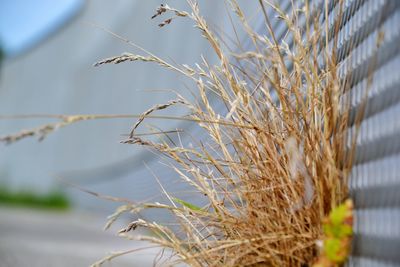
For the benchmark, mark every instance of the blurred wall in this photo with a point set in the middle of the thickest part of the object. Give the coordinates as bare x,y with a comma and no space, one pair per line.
57,77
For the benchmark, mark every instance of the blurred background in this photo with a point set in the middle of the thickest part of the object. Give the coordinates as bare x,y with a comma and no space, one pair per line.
47,52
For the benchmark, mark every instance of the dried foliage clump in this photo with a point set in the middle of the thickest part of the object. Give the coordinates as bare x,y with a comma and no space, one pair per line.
274,161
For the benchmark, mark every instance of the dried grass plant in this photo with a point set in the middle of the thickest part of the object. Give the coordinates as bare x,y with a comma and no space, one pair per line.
275,162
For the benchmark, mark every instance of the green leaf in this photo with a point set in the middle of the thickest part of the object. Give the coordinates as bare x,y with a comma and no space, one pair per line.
337,226
338,214
187,204
332,248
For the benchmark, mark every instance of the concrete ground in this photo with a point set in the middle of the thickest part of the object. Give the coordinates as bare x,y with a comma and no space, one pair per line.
33,238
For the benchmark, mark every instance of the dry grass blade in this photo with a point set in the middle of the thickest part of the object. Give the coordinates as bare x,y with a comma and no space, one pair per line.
124,57
163,9
42,131
151,110
131,227
119,254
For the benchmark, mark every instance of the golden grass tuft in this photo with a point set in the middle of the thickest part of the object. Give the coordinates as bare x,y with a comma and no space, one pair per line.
274,164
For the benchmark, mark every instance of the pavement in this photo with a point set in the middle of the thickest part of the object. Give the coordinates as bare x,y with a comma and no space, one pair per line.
35,238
